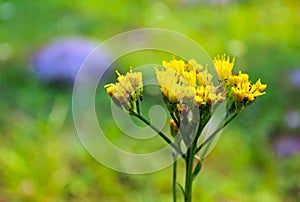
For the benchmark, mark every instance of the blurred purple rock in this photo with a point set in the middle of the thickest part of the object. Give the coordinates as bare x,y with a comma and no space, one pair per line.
292,120
61,59
294,78
287,145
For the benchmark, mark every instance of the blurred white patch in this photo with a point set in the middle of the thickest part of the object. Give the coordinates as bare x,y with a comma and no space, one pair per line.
27,187
236,48
160,10
5,51
7,10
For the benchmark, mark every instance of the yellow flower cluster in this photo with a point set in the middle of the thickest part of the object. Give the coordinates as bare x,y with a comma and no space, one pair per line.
189,82
184,82
243,90
239,83
127,89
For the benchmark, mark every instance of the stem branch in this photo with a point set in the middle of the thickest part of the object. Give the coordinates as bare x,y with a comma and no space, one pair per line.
163,136
216,132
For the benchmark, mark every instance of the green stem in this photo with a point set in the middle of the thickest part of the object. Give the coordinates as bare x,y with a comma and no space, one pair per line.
163,136
189,174
174,176
216,132
138,107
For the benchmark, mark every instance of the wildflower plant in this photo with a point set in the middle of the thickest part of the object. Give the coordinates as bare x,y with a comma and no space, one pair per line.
191,97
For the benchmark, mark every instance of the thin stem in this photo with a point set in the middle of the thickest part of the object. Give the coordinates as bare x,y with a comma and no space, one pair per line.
174,176
163,136
216,132
200,127
138,107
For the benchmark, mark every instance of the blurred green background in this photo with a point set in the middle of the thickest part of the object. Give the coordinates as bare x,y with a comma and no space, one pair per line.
41,157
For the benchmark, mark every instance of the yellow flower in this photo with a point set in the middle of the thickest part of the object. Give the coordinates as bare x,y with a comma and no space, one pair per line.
204,77
190,77
243,90
173,125
127,89
177,65
259,86
173,86
121,96
110,89
134,78
201,95
120,76
207,94
223,67
193,63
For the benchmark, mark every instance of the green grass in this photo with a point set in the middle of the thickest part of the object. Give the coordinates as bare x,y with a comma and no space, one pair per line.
41,156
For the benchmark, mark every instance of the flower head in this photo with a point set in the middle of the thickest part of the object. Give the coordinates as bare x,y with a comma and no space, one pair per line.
128,89
223,67
243,90
181,81
204,77
177,65
173,86
208,95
